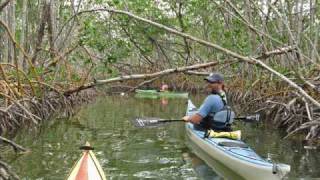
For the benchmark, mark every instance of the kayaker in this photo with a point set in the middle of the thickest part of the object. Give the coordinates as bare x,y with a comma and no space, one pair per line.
164,87
214,103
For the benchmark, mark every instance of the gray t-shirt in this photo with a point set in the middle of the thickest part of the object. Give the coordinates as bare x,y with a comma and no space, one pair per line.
212,104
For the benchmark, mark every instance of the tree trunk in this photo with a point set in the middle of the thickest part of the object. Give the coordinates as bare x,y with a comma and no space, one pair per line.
290,19
64,39
11,23
315,29
283,61
51,27
251,34
299,18
4,38
24,31
183,29
40,33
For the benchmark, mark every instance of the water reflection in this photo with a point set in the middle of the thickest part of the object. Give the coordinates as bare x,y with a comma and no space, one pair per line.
200,167
206,167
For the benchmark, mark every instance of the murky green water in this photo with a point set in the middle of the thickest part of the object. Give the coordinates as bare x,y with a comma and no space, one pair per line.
126,152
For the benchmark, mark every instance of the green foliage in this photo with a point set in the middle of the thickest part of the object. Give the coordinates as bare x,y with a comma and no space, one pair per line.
75,77
283,70
114,38
64,12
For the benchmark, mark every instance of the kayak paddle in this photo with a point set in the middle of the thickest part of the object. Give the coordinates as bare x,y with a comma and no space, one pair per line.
152,121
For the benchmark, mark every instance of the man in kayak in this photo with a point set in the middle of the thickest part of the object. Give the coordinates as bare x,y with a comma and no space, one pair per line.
215,102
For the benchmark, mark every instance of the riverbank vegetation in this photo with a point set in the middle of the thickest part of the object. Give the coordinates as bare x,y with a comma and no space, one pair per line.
51,51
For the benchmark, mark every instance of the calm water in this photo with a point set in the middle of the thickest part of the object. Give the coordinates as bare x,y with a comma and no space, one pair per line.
126,152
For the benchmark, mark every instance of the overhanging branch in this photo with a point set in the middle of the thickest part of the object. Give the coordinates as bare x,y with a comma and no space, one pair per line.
140,76
278,51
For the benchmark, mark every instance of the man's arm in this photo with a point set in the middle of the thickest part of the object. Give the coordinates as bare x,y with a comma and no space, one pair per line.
204,110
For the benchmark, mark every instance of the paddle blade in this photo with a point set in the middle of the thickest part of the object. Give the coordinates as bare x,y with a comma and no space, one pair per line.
252,118
142,122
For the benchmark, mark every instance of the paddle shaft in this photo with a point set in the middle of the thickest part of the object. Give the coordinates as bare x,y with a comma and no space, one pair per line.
141,122
240,118
168,120
176,120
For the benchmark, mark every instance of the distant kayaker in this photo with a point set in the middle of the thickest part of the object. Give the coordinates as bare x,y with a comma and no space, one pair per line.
164,87
215,102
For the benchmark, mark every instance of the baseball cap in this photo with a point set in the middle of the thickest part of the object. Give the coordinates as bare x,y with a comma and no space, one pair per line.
214,77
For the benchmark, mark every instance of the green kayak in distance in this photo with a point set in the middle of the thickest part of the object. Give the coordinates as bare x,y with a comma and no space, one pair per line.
154,94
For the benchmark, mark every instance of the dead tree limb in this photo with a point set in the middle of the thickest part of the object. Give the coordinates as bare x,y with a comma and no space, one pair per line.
140,76
144,83
198,73
277,51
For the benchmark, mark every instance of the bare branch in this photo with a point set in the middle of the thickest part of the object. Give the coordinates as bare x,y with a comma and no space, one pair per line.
278,51
140,76
4,4
143,83
198,73
15,146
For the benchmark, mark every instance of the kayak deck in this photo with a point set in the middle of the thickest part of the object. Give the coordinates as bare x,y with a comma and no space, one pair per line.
221,171
235,154
236,150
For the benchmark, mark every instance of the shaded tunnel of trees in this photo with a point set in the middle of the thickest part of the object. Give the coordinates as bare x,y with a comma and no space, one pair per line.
54,53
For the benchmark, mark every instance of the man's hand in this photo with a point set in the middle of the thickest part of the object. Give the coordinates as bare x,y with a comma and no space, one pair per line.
194,119
186,118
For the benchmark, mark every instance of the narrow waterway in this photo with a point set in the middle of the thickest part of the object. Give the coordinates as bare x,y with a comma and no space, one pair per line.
127,152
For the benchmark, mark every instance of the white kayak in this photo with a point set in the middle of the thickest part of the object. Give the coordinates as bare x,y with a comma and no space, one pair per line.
235,154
